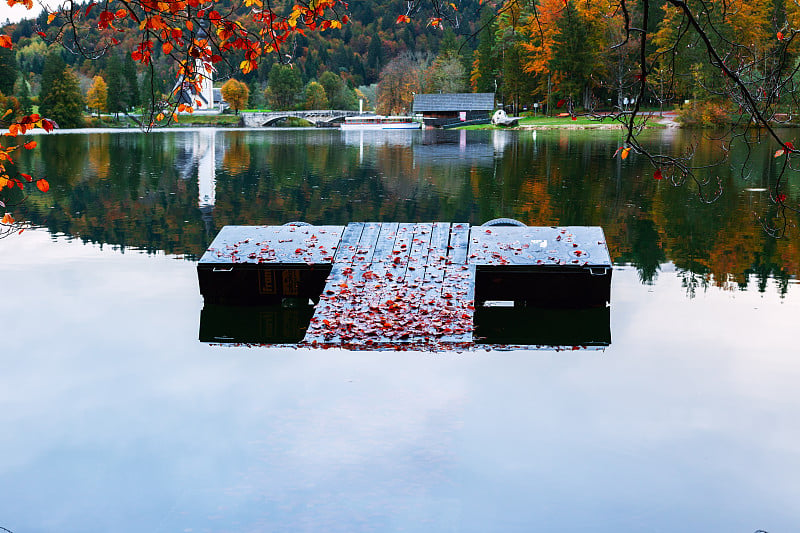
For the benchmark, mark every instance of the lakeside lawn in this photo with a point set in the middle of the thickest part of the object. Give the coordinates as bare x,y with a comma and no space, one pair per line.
580,122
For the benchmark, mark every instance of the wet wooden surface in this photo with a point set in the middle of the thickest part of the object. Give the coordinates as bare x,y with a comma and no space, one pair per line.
273,245
403,284
398,285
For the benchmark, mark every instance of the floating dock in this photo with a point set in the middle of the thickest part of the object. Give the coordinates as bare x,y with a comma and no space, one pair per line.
374,285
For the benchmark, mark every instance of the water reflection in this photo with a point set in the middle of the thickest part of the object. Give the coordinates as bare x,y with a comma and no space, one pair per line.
172,191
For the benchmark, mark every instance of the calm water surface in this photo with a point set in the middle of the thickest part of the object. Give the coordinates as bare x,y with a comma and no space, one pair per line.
116,418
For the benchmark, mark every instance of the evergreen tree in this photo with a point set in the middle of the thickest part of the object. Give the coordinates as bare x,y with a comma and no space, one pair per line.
8,70
132,82
574,54
52,70
63,101
484,70
375,59
117,86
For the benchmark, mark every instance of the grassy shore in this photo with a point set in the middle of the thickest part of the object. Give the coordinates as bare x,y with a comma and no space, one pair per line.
543,122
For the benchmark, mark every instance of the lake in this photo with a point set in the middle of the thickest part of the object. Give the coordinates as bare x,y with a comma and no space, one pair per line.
117,418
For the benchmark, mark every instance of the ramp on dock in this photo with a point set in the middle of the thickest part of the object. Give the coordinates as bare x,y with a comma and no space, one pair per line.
407,285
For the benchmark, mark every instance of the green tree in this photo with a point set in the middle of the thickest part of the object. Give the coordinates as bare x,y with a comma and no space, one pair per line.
574,54
339,94
117,86
24,93
133,98
8,70
63,101
283,86
316,97
236,93
484,68
52,69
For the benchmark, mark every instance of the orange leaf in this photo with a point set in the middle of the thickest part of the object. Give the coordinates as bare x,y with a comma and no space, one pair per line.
43,185
5,41
403,18
51,17
780,35
8,219
30,145
625,152
779,152
166,48
27,177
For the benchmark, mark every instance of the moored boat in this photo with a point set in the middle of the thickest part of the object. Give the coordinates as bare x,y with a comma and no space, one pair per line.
379,122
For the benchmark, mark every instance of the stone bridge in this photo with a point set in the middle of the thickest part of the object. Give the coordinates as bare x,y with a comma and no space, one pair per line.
321,117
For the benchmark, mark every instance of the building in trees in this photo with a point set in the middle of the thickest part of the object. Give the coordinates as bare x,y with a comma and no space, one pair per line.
442,110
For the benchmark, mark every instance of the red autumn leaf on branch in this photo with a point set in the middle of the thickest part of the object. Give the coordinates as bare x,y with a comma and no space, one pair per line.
781,198
5,41
657,174
43,185
30,145
560,102
780,35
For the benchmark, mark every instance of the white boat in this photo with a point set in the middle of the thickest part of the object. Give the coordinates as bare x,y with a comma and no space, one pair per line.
380,122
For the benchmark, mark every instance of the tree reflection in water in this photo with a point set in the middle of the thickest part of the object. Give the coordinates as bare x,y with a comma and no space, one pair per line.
171,191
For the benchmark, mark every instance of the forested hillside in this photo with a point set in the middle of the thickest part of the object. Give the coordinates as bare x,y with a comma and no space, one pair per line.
573,51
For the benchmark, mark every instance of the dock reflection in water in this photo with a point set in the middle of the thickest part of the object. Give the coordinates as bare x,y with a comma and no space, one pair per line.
496,326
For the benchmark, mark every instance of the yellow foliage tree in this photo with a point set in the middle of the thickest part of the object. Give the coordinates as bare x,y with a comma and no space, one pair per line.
236,94
97,96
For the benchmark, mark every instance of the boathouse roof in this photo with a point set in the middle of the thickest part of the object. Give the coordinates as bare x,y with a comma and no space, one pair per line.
453,102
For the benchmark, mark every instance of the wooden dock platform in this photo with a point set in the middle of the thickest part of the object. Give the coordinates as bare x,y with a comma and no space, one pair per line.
406,285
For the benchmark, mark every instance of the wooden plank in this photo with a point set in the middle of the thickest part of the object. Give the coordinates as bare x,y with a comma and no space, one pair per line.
459,243
457,309
349,243
332,304
367,242
420,244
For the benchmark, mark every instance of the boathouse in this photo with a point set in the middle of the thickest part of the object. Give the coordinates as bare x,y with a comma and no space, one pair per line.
455,109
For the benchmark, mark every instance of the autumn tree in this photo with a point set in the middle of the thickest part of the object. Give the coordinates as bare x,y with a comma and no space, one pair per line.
316,97
97,95
236,94
446,75
399,81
